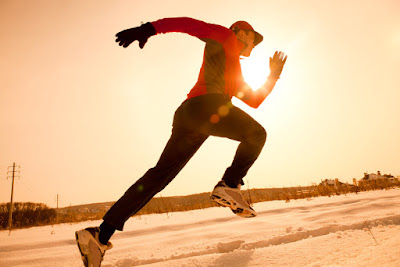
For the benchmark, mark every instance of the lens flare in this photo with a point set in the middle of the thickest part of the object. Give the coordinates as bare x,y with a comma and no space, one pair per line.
214,118
223,111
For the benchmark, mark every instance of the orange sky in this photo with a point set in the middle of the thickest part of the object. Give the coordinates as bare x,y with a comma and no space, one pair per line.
85,118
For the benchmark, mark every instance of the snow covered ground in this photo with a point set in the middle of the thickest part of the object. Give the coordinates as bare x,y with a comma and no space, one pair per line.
353,230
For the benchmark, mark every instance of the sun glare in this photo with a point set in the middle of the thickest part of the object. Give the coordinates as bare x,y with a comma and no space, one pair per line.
255,69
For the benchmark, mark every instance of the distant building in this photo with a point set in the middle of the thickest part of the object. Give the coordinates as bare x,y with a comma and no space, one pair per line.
378,175
328,182
332,182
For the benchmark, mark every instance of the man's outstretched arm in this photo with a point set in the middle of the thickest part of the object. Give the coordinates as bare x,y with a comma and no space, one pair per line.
189,26
255,98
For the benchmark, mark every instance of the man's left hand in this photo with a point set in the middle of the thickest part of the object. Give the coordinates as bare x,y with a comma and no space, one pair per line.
276,64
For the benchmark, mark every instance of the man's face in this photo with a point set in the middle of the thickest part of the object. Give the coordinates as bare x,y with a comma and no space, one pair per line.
248,38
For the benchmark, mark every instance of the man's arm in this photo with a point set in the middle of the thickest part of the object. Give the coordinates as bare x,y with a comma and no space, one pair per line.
189,26
255,98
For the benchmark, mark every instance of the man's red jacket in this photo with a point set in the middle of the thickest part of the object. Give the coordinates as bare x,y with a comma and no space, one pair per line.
220,72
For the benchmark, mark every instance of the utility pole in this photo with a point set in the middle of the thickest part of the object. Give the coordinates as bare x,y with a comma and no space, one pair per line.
12,192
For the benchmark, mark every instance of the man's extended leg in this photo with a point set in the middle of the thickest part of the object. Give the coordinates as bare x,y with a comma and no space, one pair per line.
180,148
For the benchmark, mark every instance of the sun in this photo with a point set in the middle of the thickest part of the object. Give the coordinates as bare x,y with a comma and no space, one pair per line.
255,69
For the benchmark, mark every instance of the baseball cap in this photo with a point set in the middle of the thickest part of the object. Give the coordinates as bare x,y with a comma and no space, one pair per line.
243,25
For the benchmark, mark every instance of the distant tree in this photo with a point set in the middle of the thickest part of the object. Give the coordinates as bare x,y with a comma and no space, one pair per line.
26,214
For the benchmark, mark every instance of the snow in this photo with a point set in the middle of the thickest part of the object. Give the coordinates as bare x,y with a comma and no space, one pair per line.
348,230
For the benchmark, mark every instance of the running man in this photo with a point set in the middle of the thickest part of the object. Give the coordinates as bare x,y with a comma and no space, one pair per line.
207,111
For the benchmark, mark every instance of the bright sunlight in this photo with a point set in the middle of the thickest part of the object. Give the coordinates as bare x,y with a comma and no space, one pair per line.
255,68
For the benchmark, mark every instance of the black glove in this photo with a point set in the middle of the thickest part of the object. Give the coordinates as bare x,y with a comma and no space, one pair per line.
141,34
276,65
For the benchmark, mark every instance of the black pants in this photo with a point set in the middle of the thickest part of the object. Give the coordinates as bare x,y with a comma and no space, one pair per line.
194,121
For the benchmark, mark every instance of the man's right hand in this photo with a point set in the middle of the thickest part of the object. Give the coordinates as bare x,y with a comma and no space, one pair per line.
141,34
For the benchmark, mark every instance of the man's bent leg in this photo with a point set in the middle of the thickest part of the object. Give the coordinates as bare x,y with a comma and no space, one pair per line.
240,126
182,145
248,151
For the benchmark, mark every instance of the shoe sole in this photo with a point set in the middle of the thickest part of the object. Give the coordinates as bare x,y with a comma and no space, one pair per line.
90,253
225,203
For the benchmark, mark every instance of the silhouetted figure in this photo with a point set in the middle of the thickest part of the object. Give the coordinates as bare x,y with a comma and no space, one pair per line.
207,111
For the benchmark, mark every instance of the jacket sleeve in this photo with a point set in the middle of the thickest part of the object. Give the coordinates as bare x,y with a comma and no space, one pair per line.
193,27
